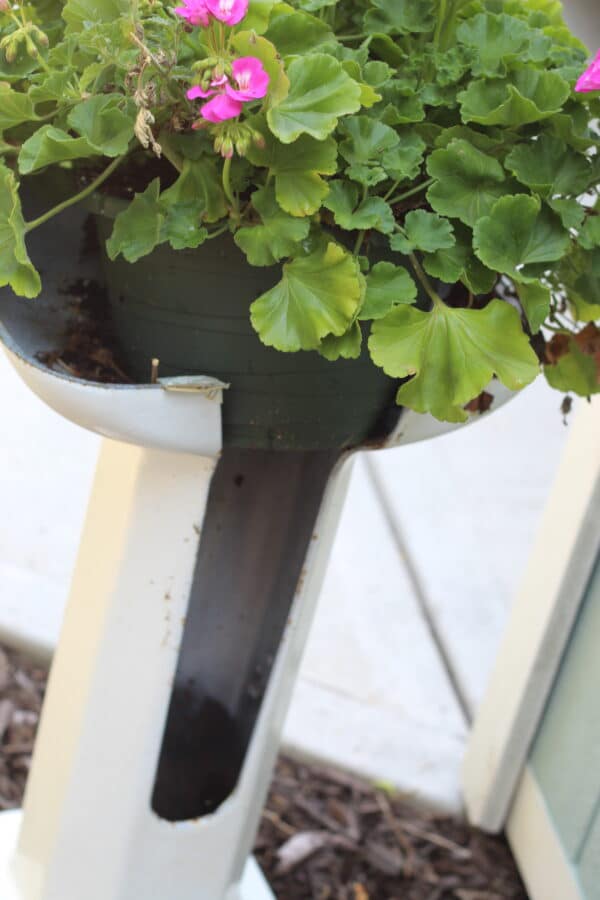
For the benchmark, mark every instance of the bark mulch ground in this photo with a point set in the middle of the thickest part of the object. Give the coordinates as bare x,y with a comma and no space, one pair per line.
324,835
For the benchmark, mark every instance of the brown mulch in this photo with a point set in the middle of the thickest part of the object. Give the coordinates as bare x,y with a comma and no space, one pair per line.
324,835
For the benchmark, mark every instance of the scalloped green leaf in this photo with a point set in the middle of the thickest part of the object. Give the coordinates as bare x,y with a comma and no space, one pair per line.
424,231
80,14
258,15
367,140
459,263
589,237
530,96
276,237
106,121
16,269
453,354
400,16
319,294
468,182
321,92
403,163
353,214
518,234
497,39
199,183
298,167
137,230
348,346
387,286
295,33
50,145
549,167
535,299
15,107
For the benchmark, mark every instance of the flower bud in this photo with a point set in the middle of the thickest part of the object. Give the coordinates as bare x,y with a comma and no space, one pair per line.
4,5
224,146
242,144
30,47
258,140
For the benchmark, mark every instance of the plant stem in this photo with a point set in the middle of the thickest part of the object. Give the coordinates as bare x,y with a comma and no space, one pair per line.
427,286
218,232
353,37
441,21
227,182
29,226
359,242
412,192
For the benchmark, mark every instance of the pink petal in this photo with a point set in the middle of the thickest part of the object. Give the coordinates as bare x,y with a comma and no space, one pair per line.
251,78
196,92
590,80
228,11
221,108
194,11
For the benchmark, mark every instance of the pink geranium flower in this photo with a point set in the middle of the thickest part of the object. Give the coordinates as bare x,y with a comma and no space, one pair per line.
195,12
590,80
221,108
228,11
251,82
251,79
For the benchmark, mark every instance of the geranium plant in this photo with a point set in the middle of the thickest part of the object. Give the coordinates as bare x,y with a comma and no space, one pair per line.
423,173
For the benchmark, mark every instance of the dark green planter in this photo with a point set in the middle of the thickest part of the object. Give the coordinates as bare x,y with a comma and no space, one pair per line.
190,309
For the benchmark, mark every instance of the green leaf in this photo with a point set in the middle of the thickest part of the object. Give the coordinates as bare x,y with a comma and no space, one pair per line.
348,346
589,236
200,184
424,231
106,122
276,237
296,33
367,140
80,14
387,285
320,93
518,234
497,39
448,265
400,16
352,215
570,211
403,163
319,294
137,230
459,263
575,372
453,354
16,268
530,96
15,107
535,300
182,227
298,167
549,167
258,15
51,145
468,183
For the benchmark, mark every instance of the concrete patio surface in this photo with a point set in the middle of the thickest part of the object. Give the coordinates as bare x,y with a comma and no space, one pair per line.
432,543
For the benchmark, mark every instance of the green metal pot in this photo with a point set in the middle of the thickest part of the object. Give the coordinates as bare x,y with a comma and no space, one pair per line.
190,309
